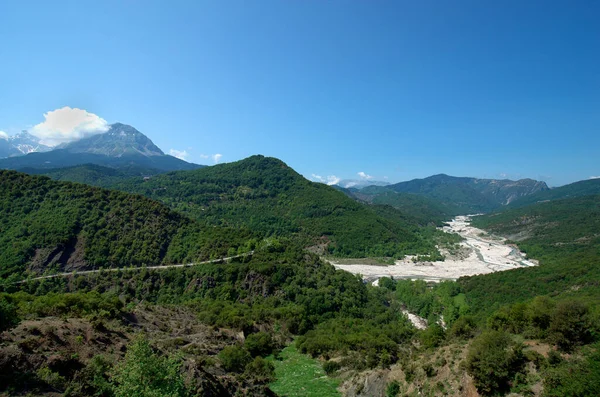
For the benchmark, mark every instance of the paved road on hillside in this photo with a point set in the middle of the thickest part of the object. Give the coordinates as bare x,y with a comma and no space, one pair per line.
125,269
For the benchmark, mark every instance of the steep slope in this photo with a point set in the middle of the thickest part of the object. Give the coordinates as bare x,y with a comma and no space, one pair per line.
564,235
266,196
121,147
576,189
120,140
56,225
20,144
470,194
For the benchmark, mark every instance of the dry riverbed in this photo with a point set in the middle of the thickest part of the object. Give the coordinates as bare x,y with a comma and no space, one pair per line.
480,253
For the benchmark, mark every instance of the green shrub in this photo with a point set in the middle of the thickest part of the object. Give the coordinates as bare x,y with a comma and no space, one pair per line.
463,328
570,325
8,314
433,336
259,344
493,360
144,373
234,358
261,370
392,389
330,367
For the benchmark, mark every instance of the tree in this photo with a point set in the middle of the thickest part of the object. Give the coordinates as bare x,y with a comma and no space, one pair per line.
493,360
234,358
8,314
570,325
145,373
259,344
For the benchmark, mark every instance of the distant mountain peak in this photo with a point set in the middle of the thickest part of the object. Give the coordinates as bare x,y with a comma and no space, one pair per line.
20,144
120,139
360,183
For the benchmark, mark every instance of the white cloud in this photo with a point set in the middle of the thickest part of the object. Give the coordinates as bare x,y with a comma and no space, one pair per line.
595,177
350,184
365,176
215,157
503,175
3,135
67,125
330,179
180,154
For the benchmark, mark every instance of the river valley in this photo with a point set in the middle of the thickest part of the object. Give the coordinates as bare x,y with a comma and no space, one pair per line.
479,253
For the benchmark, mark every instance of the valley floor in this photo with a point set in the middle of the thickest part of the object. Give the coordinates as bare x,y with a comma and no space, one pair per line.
480,253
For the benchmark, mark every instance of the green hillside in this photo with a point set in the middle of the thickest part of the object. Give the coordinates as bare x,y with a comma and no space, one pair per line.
46,225
463,195
266,196
423,210
564,235
576,189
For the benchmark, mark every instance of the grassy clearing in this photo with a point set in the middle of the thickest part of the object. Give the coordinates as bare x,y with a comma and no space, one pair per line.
300,375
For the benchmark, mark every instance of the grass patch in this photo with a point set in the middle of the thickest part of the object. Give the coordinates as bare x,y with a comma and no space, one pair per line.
300,375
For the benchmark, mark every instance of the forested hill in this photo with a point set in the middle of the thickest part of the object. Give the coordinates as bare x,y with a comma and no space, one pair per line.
268,197
572,190
470,195
46,225
563,234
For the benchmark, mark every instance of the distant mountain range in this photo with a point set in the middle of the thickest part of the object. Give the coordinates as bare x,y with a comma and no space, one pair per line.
359,183
450,195
121,147
21,144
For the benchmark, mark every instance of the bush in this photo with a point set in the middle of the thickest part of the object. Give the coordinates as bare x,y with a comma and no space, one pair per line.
234,358
261,369
570,325
8,314
463,328
330,367
433,336
493,360
259,344
145,373
393,389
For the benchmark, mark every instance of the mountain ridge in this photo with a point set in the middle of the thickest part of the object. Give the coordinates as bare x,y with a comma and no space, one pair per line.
121,147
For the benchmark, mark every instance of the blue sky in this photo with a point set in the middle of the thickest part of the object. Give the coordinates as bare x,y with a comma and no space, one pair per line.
396,89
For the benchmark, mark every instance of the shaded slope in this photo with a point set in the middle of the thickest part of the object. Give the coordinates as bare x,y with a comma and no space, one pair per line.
56,225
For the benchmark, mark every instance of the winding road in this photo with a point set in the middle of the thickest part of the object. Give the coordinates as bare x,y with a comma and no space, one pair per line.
124,269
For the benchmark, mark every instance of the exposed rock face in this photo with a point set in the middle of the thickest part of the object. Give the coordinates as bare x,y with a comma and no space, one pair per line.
20,144
119,140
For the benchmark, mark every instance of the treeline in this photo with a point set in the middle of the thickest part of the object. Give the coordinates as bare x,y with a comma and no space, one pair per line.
47,225
266,196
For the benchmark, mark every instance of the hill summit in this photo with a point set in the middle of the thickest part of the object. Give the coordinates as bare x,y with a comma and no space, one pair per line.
119,140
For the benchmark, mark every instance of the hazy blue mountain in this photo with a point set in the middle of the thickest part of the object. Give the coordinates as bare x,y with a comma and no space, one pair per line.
470,194
577,189
360,183
121,147
21,144
120,140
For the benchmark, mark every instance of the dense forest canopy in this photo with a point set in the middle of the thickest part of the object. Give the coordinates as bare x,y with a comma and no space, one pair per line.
46,224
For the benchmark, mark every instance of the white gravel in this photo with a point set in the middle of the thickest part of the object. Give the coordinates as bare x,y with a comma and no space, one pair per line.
486,254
